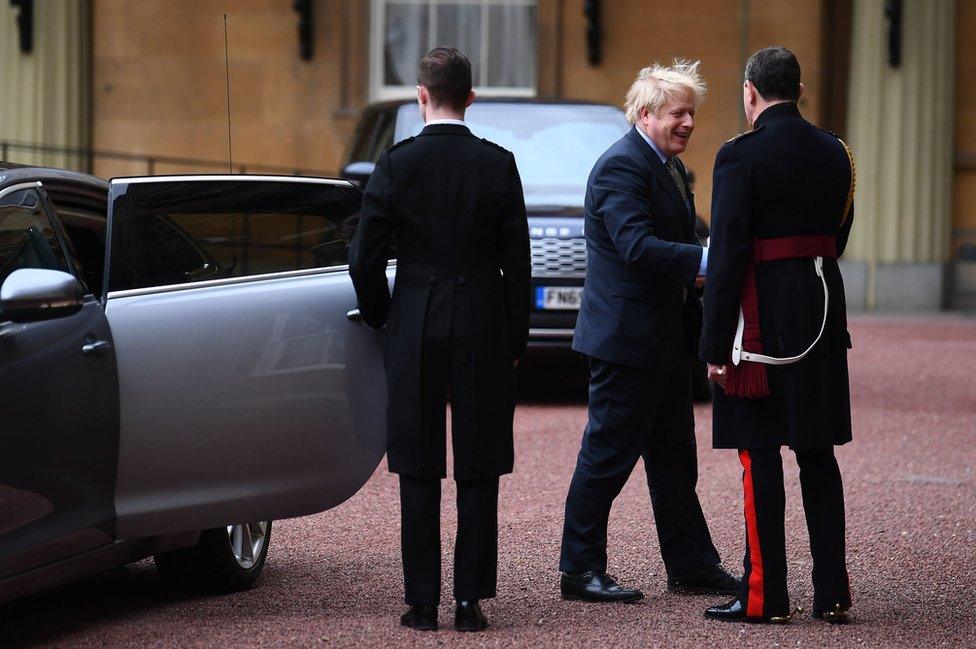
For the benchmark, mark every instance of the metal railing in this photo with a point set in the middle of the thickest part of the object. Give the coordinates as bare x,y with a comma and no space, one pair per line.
83,159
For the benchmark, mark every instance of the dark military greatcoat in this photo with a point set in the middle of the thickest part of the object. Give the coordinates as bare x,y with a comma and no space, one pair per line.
786,177
458,314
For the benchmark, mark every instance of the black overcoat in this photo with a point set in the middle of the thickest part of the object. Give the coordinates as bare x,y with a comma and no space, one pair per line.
786,177
459,312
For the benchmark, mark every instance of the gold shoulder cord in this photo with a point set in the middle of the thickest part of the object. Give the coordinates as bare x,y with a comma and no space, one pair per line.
850,194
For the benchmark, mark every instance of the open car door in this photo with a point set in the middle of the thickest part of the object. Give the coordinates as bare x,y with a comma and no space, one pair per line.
246,391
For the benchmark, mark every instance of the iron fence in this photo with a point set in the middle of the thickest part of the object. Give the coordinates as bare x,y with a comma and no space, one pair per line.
84,159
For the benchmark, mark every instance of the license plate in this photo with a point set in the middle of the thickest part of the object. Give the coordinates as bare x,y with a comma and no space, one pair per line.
558,297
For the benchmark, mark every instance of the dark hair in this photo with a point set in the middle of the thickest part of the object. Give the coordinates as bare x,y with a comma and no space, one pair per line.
775,73
446,73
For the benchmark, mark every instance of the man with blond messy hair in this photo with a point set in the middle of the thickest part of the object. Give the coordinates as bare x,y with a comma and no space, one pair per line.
638,325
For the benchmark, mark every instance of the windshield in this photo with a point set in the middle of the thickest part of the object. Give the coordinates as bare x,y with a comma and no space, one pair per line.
555,145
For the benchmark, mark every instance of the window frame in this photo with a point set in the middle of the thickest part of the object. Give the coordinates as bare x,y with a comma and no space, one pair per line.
380,91
38,188
121,232
82,194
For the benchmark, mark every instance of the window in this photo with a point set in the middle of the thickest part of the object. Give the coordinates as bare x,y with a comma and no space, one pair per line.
83,220
499,36
27,239
187,231
555,145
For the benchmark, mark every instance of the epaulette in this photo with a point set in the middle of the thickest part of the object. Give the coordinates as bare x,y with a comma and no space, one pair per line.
828,132
401,143
744,135
850,192
497,146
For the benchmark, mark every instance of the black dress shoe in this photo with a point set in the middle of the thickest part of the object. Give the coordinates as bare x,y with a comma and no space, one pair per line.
712,580
594,586
837,615
468,616
421,618
734,611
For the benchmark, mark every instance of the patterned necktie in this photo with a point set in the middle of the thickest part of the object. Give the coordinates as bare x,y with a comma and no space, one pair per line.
676,176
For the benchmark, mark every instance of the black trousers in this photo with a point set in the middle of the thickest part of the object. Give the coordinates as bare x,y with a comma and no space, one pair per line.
764,582
475,549
636,413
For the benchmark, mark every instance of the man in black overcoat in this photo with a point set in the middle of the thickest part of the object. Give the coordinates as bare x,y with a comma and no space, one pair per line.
781,215
455,327
638,325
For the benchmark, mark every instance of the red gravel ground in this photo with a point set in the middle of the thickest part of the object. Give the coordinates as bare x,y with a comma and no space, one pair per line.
334,579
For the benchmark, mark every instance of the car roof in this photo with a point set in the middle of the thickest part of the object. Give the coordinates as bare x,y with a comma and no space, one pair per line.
12,174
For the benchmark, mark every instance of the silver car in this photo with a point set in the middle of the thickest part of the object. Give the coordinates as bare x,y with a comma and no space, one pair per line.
180,364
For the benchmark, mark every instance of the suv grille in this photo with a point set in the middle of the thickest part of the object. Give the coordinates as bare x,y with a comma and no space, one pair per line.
552,257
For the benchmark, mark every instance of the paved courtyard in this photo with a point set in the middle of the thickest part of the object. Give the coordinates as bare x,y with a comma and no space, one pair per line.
334,579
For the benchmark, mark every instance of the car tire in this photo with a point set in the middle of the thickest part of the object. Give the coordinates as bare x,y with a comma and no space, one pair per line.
220,562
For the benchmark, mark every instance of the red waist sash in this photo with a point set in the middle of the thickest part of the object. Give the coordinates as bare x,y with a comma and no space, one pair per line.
748,379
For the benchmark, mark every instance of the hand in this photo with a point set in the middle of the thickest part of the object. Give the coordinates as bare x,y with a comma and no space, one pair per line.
515,362
718,373
699,281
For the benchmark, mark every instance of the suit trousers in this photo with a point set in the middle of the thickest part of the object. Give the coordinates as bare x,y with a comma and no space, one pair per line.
764,590
636,413
475,548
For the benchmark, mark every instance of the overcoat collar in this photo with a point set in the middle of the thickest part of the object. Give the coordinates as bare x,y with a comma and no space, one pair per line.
777,111
660,171
445,129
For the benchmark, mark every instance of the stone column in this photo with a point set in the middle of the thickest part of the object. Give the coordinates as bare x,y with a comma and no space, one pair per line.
900,127
45,96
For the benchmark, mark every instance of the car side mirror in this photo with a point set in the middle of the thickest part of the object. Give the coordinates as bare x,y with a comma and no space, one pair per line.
358,172
32,294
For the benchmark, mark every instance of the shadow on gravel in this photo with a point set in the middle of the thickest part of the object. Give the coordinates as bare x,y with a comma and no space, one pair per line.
52,616
553,380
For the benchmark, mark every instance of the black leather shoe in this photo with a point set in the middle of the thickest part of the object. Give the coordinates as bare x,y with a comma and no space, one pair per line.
468,616
594,586
712,580
734,611
837,615
420,618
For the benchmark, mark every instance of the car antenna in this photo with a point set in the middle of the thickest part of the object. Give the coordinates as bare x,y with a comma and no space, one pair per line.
230,150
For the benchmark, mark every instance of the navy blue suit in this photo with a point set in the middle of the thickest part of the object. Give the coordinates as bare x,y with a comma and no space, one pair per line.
639,320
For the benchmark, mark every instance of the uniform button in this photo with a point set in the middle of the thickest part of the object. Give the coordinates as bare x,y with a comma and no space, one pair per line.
461,280
431,280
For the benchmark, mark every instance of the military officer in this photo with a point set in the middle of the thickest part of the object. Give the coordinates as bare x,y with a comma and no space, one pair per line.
775,333
456,324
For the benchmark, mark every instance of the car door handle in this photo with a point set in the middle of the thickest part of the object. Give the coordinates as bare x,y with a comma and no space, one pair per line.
354,315
95,347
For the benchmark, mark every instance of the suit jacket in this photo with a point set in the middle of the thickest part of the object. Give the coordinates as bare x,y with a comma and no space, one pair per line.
454,206
786,177
639,306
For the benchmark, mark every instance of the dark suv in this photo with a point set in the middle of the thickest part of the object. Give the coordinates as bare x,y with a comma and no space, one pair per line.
555,145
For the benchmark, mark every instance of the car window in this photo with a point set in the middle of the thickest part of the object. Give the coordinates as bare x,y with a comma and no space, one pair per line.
83,220
555,145
186,231
364,140
384,136
27,238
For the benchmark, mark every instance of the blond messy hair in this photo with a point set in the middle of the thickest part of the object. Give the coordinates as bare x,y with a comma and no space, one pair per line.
656,84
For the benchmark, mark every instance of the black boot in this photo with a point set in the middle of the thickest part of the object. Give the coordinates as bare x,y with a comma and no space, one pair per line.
468,616
734,611
420,618
592,586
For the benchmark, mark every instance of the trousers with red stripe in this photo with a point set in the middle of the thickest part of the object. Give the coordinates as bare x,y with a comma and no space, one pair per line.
764,591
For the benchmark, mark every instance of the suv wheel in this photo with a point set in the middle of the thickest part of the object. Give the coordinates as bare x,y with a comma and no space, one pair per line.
225,559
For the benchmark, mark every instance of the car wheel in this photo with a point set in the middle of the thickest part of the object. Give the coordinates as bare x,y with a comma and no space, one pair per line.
225,559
